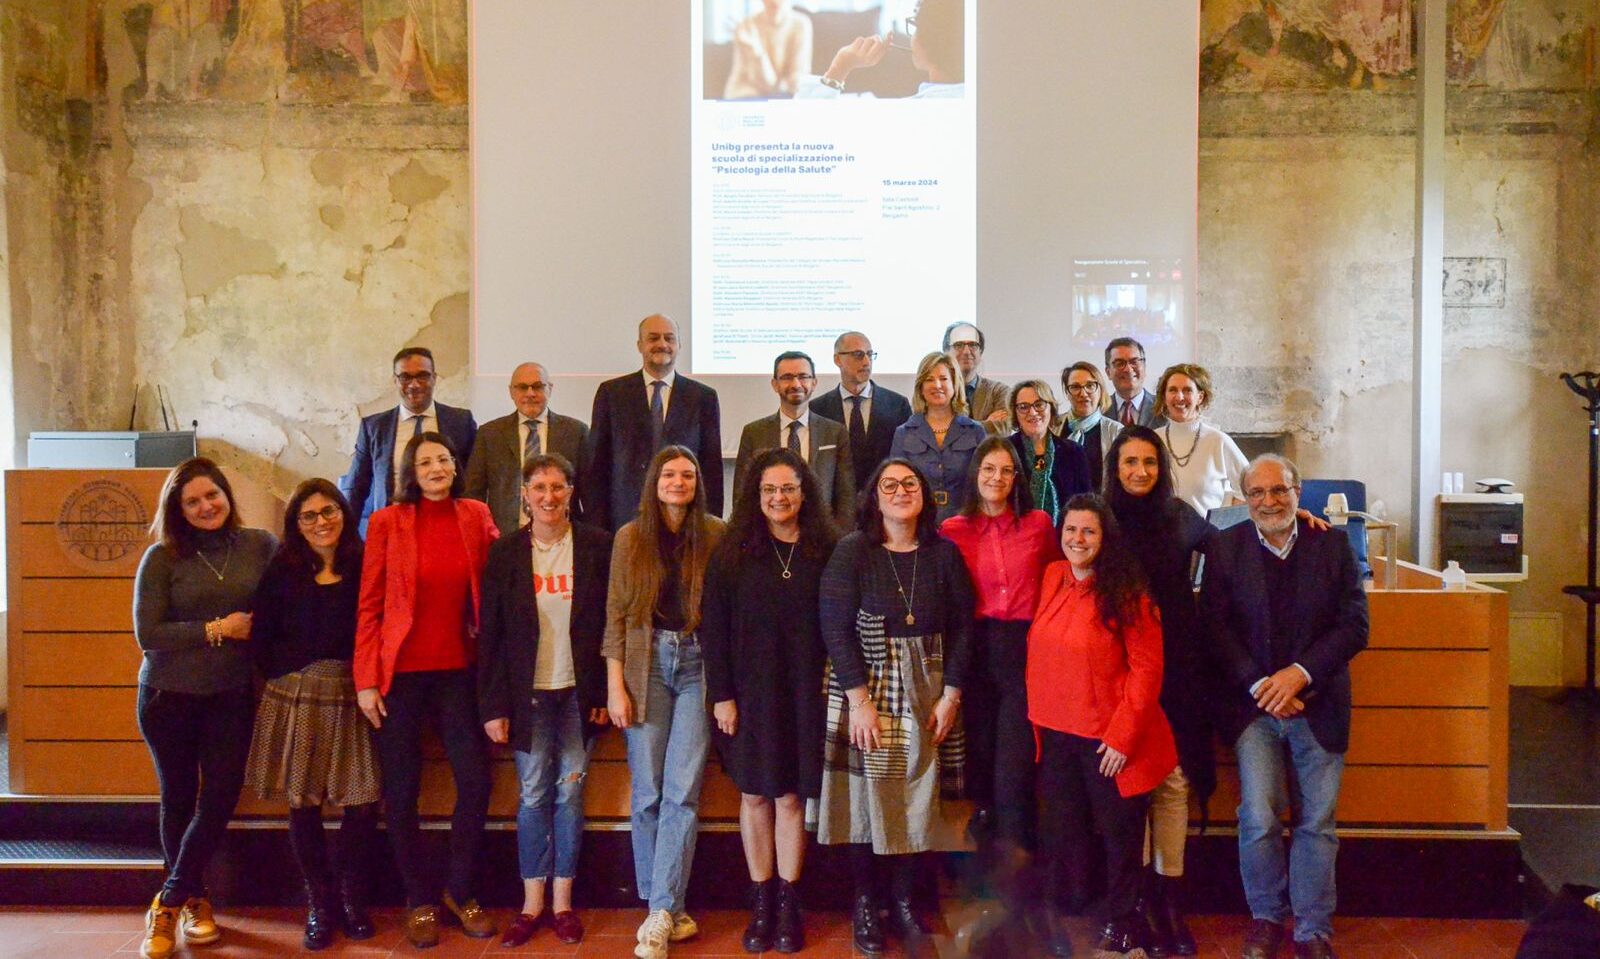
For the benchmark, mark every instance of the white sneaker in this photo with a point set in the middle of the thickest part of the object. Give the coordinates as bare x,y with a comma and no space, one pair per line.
684,927
654,935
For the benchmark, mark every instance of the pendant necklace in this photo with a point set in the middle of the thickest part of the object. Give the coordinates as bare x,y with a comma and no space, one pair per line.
911,620
218,573
1185,458
785,562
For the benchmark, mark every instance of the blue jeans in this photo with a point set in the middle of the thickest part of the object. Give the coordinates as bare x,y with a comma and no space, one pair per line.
667,764
553,768
1308,878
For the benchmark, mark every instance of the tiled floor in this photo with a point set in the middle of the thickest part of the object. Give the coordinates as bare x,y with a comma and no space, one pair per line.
101,934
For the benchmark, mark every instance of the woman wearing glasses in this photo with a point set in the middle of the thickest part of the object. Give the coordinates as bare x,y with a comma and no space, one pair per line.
542,684
1094,682
311,745
416,646
764,665
655,677
897,610
1006,544
1054,469
1086,422
192,620
939,439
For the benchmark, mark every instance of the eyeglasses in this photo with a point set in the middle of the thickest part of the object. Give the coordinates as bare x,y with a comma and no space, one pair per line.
1123,364
310,516
790,379
1083,389
787,489
889,486
960,345
1004,472
1037,406
858,355
406,379
531,387
1276,492
548,489
901,32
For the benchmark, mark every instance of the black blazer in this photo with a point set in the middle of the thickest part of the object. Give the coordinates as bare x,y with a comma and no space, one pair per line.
508,634
889,410
1330,626
369,486
1070,475
620,444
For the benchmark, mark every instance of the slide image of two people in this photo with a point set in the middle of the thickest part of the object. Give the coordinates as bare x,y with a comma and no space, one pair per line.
830,49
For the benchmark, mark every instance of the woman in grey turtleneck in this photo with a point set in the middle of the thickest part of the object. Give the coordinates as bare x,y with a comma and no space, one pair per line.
190,615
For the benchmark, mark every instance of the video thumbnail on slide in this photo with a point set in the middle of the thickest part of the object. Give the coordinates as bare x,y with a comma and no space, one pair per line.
833,172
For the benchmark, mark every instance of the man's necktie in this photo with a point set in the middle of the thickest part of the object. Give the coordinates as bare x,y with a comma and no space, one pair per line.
858,429
416,426
531,447
794,438
1130,416
658,416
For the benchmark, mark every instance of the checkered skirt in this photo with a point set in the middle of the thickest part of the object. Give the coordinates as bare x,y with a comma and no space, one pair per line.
891,796
311,743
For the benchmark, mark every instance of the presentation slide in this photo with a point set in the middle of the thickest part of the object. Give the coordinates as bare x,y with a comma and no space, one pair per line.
831,201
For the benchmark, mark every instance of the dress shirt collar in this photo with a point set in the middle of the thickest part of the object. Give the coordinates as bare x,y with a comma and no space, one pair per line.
543,419
865,394
432,412
1002,524
804,419
1294,534
669,379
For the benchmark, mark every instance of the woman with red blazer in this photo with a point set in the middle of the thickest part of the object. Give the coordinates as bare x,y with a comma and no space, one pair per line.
416,637
1094,689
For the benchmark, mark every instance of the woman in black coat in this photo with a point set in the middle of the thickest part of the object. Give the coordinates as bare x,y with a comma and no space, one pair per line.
1055,469
1167,536
543,616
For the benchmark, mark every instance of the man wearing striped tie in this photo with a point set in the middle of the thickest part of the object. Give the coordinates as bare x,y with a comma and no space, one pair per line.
494,474
823,443
1125,364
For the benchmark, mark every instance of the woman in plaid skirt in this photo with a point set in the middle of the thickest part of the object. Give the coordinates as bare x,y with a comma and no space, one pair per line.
897,608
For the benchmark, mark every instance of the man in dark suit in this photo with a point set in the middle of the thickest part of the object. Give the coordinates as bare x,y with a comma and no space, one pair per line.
369,485
821,442
638,414
988,401
869,412
1286,613
494,474
1131,403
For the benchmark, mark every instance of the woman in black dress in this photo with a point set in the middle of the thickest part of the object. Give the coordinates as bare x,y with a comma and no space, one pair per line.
764,664
1165,534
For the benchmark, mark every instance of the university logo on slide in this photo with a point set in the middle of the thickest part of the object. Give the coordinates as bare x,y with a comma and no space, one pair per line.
102,521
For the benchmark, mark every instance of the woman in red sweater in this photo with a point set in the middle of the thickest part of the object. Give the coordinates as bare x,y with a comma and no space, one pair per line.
416,646
1094,685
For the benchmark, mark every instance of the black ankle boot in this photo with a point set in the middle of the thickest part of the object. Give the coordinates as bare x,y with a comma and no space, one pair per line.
789,932
904,921
758,935
865,927
353,917
1153,911
321,918
1177,930
1125,934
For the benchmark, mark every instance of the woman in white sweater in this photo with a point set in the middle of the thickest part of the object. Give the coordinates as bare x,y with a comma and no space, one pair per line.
1206,463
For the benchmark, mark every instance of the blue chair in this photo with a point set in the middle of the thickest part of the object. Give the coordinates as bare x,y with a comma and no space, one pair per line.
1314,495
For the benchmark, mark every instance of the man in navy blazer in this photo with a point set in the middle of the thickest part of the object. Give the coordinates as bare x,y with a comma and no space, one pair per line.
638,414
369,486
1131,403
1286,612
869,412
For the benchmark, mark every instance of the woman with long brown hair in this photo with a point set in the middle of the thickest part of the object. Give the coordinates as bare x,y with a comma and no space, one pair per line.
1094,685
656,682
191,618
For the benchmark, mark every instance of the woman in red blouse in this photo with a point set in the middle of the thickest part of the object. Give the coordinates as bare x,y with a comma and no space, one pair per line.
1005,543
416,649
1094,685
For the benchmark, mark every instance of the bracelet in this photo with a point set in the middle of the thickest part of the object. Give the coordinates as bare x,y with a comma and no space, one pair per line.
864,702
214,635
832,83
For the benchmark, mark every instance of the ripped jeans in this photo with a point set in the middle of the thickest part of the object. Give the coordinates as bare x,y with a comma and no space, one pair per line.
551,774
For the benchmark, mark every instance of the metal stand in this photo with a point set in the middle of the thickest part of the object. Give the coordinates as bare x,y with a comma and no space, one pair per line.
1587,385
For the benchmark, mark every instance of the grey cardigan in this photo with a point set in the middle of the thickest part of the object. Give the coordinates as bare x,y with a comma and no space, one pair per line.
629,639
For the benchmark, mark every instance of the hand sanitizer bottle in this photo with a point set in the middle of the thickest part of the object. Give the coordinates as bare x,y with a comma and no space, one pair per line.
1454,576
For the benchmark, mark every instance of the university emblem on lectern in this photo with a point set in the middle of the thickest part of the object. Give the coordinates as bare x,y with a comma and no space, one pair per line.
102,521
